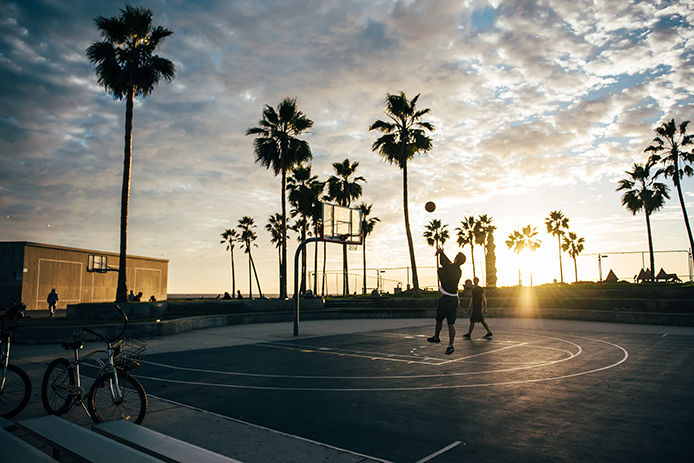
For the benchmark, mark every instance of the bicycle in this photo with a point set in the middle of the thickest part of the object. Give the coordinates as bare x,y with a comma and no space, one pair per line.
114,394
15,385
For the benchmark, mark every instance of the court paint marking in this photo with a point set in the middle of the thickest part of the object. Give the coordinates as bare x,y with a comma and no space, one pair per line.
410,388
274,431
439,452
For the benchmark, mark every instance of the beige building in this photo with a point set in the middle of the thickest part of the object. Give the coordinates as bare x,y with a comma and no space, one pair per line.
28,272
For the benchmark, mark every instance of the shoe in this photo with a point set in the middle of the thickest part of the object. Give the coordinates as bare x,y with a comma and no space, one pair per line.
489,335
434,339
449,350
466,336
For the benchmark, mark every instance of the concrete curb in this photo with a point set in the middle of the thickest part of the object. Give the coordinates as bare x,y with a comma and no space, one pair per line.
45,335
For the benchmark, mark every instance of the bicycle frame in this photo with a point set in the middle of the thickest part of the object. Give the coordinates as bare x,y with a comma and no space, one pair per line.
5,355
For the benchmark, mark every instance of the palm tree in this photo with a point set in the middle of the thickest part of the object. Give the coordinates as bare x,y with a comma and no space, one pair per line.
247,236
436,232
486,231
404,137
518,241
670,141
274,226
343,188
276,147
304,191
367,227
230,237
466,235
574,246
126,67
643,192
556,223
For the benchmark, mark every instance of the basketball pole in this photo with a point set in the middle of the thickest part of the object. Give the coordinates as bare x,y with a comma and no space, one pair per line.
297,254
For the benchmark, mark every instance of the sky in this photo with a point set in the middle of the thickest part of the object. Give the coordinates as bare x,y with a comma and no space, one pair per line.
537,106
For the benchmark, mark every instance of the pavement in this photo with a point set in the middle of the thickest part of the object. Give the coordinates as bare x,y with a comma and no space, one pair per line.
259,443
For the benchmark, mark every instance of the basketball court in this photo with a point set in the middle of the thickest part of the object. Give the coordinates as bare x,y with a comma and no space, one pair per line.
537,391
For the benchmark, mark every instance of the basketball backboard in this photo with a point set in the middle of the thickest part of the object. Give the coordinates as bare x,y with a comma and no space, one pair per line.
341,224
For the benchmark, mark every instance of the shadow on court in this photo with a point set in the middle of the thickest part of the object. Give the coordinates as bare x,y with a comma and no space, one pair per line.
525,395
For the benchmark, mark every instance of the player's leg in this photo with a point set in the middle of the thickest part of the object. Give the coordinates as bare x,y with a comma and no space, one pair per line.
489,332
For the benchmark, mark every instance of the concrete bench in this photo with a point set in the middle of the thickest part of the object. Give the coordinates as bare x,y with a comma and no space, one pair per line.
15,450
159,445
80,443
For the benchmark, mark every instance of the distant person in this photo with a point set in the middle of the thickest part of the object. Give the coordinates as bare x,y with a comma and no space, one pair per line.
138,297
52,300
449,276
152,298
238,294
227,296
131,296
478,304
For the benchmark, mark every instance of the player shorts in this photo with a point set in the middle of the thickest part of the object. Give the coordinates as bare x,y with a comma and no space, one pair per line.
447,308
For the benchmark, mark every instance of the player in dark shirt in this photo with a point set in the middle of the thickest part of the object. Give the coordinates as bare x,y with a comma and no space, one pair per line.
449,276
478,304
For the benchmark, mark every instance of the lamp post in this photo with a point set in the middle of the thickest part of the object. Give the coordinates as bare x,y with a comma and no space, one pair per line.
600,257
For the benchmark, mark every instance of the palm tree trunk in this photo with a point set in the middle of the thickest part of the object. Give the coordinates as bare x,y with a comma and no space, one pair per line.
345,273
315,267
684,210
561,269
250,277
122,288
576,269
233,274
472,258
413,264
322,292
257,281
650,243
283,261
302,290
363,251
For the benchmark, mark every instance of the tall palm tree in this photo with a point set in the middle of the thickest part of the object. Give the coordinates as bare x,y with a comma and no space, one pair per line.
436,233
277,147
486,230
230,237
556,224
466,235
404,137
367,227
343,188
518,241
274,226
246,227
668,150
574,246
126,67
643,192
304,191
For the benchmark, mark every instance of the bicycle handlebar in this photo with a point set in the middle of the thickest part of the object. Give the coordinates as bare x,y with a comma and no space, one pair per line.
119,336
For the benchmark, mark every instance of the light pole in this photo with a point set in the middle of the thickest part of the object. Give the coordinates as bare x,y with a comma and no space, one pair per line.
600,257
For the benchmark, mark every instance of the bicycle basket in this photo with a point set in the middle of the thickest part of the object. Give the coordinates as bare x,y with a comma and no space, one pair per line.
131,355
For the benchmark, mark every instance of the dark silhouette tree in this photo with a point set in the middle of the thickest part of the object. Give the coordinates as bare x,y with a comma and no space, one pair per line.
466,235
557,224
643,193
230,237
126,67
573,245
343,188
518,241
247,235
668,148
368,224
436,234
274,226
404,137
485,229
277,147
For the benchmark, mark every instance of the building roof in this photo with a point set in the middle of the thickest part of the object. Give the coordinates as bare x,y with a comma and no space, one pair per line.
67,248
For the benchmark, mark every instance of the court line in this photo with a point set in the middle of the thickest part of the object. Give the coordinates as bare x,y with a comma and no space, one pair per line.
439,452
483,353
411,388
264,428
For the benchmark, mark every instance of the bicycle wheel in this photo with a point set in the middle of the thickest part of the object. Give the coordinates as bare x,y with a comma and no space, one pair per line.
105,406
57,386
15,390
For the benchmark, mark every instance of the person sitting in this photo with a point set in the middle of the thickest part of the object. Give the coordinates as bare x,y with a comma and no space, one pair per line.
16,312
227,296
138,298
152,298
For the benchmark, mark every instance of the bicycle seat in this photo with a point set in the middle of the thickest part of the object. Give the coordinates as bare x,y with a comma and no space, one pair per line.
74,345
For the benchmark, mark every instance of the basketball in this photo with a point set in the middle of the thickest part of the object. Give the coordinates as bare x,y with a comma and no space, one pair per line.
430,206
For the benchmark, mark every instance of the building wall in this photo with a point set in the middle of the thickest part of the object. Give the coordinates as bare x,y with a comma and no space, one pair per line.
66,270
11,273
